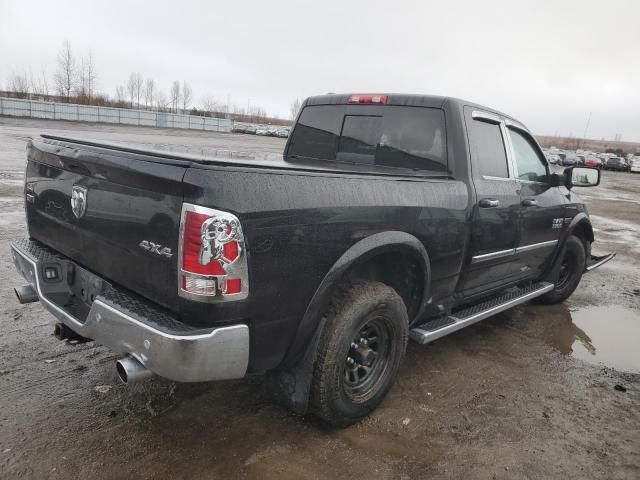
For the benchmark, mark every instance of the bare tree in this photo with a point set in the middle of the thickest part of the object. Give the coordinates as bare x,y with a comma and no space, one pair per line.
81,81
65,76
294,108
209,104
174,95
90,76
131,89
39,85
223,108
121,94
161,100
139,85
186,96
19,84
149,92
134,88
256,114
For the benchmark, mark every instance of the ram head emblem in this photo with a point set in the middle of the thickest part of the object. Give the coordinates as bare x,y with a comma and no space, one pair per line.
216,232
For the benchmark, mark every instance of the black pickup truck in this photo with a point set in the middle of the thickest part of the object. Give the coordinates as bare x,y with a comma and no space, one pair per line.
387,217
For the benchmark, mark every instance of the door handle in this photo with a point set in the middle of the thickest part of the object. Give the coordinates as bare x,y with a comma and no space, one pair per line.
529,202
489,203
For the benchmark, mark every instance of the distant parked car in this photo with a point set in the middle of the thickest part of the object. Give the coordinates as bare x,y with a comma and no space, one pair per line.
262,131
569,160
243,128
552,157
635,165
618,164
592,162
580,159
282,132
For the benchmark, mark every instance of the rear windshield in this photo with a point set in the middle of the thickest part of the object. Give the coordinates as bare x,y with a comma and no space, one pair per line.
391,136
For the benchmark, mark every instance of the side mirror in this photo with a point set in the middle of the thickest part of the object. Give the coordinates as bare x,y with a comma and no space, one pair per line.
557,179
581,177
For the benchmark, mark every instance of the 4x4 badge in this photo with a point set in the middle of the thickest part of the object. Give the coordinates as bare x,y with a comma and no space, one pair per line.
78,200
156,248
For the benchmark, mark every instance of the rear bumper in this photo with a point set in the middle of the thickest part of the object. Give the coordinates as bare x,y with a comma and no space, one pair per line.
130,325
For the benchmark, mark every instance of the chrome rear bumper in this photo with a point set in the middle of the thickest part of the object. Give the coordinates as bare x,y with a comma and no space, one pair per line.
161,343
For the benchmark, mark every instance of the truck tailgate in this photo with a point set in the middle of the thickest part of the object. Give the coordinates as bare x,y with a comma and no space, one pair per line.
115,213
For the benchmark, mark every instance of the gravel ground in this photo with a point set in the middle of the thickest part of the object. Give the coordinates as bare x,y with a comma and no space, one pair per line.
532,393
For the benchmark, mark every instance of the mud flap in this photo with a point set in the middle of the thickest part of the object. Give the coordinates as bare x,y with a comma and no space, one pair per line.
553,272
291,387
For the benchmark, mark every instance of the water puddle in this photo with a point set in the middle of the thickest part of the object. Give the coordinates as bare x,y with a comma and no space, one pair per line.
608,336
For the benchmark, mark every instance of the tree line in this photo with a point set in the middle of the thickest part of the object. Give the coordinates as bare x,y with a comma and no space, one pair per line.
76,80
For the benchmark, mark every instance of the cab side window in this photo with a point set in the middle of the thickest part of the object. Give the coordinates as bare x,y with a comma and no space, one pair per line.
487,148
531,165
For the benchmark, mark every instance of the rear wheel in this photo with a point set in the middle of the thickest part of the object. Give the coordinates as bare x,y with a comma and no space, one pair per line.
359,353
571,270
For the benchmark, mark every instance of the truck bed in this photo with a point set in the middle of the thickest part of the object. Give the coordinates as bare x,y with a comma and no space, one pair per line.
183,156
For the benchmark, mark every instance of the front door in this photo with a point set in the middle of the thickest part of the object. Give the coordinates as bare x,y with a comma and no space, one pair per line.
496,222
541,218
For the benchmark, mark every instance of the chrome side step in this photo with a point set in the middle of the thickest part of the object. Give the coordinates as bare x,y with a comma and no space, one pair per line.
430,331
598,261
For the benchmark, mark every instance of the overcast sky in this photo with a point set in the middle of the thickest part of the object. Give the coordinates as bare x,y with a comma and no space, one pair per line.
548,63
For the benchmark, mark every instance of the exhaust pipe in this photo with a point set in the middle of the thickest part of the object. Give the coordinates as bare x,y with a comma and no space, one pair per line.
131,370
26,294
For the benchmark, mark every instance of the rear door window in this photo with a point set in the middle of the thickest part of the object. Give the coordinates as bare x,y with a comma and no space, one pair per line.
487,148
392,136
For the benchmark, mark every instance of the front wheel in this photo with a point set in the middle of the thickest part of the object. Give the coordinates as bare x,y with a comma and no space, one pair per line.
359,354
571,270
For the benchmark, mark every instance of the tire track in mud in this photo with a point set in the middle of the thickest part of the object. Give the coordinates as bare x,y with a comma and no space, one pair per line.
30,376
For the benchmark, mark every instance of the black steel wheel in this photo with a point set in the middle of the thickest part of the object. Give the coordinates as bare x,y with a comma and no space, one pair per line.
359,353
367,360
571,269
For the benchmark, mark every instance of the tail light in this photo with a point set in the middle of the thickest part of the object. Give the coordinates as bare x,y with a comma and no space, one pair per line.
212,256
364,99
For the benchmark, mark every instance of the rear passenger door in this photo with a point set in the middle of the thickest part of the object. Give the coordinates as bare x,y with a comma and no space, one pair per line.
495,221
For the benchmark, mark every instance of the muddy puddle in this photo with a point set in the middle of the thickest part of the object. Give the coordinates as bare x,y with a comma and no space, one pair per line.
607,335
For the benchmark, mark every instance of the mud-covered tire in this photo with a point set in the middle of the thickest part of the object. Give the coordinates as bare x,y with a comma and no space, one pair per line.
338,395
571,271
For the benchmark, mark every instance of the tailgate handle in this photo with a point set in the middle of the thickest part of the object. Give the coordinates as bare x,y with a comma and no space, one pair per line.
489,203
77,167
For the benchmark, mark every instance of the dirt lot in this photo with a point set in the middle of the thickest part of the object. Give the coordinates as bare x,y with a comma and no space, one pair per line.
528,394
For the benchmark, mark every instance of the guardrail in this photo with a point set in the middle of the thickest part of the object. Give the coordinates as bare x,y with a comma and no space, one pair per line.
15,107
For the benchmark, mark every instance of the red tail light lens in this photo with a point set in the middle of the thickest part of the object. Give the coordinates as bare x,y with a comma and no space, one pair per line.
213,265
364,99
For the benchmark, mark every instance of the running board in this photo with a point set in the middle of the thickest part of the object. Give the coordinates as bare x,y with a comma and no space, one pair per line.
595,262
434,329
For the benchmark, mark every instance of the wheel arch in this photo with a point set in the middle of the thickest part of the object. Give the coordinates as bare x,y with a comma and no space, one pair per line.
581,227
366,259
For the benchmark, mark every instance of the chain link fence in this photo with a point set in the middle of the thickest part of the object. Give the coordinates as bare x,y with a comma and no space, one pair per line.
87,113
